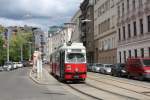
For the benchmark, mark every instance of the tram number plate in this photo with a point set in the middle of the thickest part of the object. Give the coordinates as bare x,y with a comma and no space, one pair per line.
76,76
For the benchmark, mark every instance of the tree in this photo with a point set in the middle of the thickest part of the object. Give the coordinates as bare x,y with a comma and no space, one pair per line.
2,51
20,39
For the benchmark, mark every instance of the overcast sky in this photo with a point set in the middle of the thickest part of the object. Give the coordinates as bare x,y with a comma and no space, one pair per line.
41,13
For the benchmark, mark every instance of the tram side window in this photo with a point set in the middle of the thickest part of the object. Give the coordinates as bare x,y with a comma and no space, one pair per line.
57,57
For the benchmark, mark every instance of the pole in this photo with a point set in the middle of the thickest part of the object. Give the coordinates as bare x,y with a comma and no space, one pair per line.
8,45
21,53
29,51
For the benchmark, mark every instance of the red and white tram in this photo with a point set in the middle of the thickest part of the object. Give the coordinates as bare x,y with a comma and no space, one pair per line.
69,62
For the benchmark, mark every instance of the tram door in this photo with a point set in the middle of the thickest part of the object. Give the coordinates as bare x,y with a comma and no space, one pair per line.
62,60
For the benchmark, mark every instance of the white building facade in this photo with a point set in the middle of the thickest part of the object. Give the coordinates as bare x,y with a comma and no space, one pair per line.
58,38
133,29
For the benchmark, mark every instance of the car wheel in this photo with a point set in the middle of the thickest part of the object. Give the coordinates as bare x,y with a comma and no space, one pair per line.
129,76
141,77
112,74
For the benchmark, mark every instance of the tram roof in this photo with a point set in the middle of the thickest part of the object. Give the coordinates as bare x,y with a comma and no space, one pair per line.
73,46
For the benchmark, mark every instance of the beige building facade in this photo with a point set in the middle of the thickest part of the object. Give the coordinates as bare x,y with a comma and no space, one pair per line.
75,37
133,29
105,21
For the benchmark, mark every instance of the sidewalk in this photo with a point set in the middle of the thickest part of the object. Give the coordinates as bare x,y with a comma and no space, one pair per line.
46,79
53,88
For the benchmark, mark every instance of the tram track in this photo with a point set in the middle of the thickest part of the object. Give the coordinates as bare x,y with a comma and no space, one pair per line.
121,81
112,92
115,85
89,95
122,97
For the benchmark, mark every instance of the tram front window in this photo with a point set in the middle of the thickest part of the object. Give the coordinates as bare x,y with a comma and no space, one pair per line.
75,57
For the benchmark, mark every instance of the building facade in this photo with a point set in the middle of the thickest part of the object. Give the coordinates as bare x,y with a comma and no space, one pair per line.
105,19
133,29
56,39
39,41
75,37
87,28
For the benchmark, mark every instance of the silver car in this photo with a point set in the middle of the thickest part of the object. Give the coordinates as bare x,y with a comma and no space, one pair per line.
1,68
96,67
8,66
106,69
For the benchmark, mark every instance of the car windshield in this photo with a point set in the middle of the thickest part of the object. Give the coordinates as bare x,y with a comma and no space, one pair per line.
146,62
75,57
98,65
108,66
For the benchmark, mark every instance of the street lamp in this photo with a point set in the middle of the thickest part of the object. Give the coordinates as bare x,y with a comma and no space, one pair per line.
30,43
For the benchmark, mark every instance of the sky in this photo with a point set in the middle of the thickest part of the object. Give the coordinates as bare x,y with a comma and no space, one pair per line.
39,13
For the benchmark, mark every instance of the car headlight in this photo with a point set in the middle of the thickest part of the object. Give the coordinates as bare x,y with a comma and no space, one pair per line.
147,71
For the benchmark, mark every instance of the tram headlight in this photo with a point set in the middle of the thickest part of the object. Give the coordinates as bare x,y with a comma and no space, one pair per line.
68,67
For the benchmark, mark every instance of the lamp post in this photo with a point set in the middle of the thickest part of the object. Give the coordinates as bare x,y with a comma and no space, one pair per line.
8,32
30,50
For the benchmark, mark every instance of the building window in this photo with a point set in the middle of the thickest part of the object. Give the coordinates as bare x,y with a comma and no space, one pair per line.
140,3
133,3
148,19
128,5
135,31
129,31
120,57
141,26
124,33
135,52
142,52
124,56
129,53
119,34
122,9
118,11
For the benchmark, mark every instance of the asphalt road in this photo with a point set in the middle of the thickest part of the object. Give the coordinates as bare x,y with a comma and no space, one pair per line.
16,85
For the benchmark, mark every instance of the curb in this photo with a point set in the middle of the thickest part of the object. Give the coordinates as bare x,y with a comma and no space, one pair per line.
36,81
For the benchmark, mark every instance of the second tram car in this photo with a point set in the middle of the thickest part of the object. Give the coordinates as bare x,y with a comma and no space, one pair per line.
69,62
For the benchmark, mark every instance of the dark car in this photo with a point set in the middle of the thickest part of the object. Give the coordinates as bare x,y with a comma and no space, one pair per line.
119,70
89,66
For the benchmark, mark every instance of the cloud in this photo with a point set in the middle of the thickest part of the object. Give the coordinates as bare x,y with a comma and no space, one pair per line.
37,12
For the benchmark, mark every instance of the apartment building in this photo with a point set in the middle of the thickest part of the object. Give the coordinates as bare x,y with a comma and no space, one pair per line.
87,28
75,37
105,21
133,29
57,38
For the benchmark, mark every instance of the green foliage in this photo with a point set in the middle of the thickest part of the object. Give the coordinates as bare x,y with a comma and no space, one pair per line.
22,38
1,29
2,51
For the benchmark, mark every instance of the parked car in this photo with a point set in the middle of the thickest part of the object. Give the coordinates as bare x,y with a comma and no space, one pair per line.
19,64
15,65
106,69
119,70
1,69
96,67
8,66
89,66
138,67
25,63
